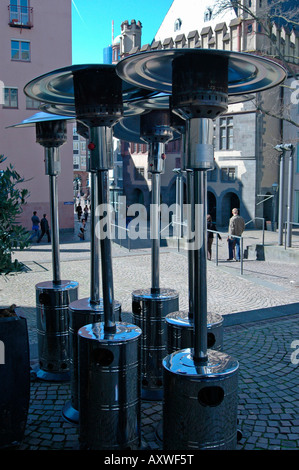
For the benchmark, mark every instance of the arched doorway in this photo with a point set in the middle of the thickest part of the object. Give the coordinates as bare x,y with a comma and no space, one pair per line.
229,201
268,207
212,205
138,196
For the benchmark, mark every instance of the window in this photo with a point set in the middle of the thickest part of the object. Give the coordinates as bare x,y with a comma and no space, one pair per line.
76,162
20,14
228,174
32,104
20,50
208,14
226,133
10,98
139,173
177,24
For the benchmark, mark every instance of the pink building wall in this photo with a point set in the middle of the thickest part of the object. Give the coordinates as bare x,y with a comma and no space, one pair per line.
50,48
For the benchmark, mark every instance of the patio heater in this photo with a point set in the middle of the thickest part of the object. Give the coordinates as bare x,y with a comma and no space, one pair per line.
179,325
200,384
52,297
90,309
108,351
151,306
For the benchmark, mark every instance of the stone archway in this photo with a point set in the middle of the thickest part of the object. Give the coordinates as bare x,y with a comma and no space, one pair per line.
138,196
268,207
212,205
229,201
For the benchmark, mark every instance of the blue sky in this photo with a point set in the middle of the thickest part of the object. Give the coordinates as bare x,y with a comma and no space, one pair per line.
92,24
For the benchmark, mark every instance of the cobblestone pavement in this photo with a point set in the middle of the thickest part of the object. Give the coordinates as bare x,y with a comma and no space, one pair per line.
261,330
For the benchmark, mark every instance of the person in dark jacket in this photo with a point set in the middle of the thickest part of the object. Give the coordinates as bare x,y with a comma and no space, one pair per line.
79,211
210,237
44,225
35,226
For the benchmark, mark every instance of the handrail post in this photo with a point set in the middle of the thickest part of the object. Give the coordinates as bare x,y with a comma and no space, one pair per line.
241,255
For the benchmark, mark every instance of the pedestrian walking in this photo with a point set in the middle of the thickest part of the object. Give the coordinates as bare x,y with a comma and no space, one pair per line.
44,225
210,237
35,226
86,213
82,230
236,227
79,211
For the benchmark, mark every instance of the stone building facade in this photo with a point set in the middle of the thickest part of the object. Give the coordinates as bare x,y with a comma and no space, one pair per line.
246,163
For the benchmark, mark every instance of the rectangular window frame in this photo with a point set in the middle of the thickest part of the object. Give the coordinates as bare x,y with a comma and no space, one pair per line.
228,174
139,173
226,133
8,92
20,52
32,104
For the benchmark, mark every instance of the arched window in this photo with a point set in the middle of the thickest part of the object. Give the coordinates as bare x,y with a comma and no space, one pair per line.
177,24
208,14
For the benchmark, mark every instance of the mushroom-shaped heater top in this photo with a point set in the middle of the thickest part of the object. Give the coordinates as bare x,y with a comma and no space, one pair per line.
50,129
200,80
93,93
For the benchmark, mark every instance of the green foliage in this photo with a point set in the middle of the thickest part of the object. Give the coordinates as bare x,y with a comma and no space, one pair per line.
12,234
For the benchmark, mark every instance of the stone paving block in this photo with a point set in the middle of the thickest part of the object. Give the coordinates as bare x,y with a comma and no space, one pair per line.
268,401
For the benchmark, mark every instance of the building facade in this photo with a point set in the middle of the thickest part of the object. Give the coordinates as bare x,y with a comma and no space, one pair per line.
246,172
35,37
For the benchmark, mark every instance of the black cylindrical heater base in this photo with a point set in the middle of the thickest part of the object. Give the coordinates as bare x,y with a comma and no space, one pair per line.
180,331
109,387
149,313
52,302
81,312
200,402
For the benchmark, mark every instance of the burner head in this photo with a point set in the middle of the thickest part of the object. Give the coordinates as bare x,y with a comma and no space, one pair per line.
51,133
200,85
98,96
155,126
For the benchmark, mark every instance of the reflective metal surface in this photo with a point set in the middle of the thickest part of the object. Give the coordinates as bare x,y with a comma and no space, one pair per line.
40,117
246,73
81,312
200,148
52,298
109,387
57,87
180,331
149,312
52,302
200,402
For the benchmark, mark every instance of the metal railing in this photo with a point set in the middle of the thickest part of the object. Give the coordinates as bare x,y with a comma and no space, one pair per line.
285,232
20,16
263,233
241,248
